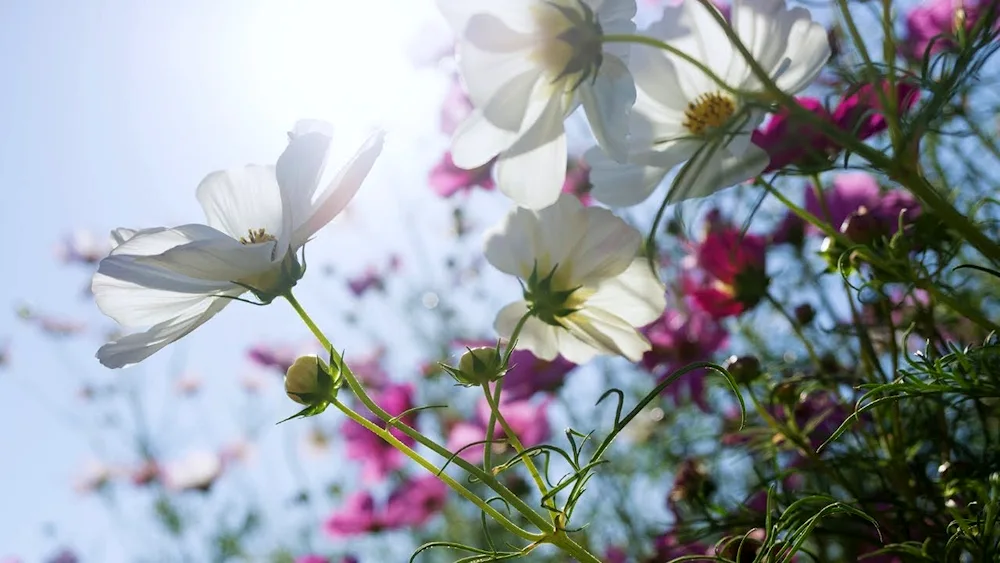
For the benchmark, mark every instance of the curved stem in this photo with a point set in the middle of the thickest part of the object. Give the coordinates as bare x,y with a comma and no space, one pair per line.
455,485
352,381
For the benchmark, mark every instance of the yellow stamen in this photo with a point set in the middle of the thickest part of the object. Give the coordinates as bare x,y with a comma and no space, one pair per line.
255,236
708,111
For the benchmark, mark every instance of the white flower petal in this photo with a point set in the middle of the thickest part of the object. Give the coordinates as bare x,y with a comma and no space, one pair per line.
606,248
134,348
128,299
808,50
712,170
511,245
574,349
621,185
242,199
561,228
508,109
532,171
477,141
219,259
608,333
637,295
341,189
484,73
489,33
299,170
515,13
536,336
608,102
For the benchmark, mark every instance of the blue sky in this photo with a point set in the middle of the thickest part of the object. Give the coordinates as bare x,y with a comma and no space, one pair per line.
112,112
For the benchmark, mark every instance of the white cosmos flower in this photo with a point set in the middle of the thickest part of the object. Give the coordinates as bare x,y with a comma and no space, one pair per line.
523,63
681,113
588,290
174,279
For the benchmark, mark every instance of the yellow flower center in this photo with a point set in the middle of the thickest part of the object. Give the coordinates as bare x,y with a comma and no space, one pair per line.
255,236
708,111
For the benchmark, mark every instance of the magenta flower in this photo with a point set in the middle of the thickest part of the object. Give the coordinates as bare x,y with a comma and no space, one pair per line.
677,340
861,112
526,418
357,516
448,179
278,357
529,375
311,558
412,503
84,248
578,181
669,547
790,142
64,556
852,191
369,280
377,457
730,276
932,25
415,502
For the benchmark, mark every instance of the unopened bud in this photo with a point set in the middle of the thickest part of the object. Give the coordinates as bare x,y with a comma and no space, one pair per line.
479,365
805,314
744,369
862,226
309,381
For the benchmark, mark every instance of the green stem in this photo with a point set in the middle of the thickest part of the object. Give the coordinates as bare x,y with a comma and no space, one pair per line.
656,43
447,479
489,480
797,328
512,438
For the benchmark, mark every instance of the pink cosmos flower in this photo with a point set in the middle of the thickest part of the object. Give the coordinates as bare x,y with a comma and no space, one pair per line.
373,278
64,556
529,375
679,339
669,547
415,502
412,503
447,179
83,248
788,141
148,472
793,141
356,516
278,357
730,276
311,558
852,191
526,418
456,107
861,112
933,25
377,457
578,181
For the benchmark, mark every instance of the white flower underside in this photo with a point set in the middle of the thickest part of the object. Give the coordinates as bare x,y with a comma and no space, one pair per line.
513,64
585,248
787,45
174,280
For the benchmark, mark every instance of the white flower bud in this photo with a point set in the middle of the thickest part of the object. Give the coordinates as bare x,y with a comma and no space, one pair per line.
309,382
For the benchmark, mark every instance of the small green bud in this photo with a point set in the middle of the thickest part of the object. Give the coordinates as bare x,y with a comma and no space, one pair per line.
309,381
478,366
